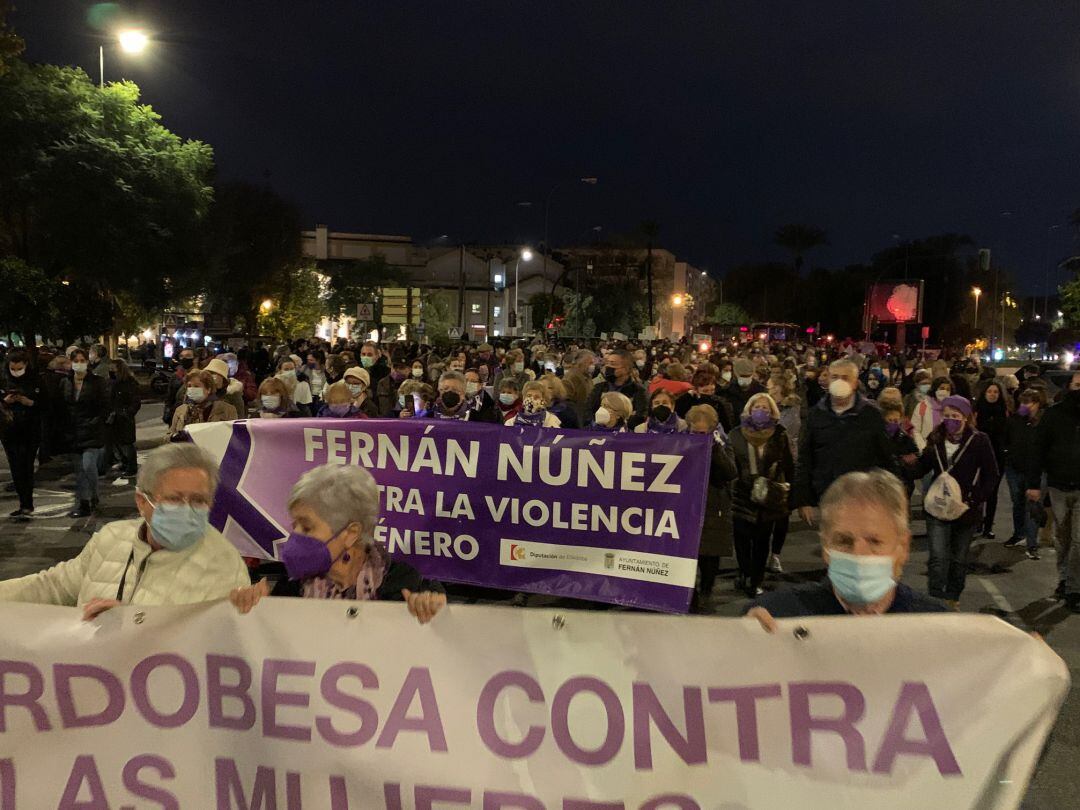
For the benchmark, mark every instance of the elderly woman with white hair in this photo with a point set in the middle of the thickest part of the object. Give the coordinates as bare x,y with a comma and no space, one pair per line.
170,555
331,552
760,496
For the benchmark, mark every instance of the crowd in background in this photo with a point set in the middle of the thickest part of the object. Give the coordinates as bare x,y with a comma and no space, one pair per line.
786,421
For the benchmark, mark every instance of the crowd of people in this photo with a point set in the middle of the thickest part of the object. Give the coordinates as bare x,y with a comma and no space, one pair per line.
788,423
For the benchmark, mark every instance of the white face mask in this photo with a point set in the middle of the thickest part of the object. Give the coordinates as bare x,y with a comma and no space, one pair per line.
941,393
726,376
418,373
196,394
287,374
16,374
639,363
472,388
79,368
271,402
840,389
745,381
602,416
518,368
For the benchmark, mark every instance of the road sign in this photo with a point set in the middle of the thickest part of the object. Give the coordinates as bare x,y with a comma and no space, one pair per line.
454,332
365,312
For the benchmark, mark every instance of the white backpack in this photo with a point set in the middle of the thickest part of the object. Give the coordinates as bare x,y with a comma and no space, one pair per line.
945,500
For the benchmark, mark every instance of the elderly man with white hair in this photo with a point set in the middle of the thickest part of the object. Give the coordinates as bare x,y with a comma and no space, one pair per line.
865,543
331,552
169,555
843,433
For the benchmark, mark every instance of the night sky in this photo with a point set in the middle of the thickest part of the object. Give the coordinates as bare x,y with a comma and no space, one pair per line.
719,120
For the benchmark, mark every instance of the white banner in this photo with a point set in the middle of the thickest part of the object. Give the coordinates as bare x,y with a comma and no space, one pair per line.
307,704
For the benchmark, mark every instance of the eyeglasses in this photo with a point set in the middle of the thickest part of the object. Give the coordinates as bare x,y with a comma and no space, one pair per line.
197,501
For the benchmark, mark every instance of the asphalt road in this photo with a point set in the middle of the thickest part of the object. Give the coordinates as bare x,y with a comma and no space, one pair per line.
1002,582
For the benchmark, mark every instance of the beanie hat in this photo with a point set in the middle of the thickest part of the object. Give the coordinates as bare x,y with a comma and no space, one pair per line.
962,404
743,367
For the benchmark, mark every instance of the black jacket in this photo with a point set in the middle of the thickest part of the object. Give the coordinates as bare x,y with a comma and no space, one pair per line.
399,576
487,412
26,424
976,470
991,421
85,413
737,396
831,445
635,391
775,462
1019,446
1057,447
722,406
124,403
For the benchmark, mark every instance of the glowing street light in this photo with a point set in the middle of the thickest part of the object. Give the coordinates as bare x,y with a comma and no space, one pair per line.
266,305
976,291
131,40
676,300
527,255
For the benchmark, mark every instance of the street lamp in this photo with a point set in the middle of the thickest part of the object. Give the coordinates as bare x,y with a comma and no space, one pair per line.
131,40
976,291
524,255
676,300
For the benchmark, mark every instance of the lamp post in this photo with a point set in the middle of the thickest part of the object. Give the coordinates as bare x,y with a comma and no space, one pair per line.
976,291
523,255
131,41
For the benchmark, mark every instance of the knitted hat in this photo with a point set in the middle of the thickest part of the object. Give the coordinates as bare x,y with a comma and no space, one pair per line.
360,374
962,404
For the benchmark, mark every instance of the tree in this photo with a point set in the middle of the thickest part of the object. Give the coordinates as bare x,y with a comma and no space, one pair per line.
1070,303
94,190
357,281
799,239
729,314
28,302
578,322
11,45
255,250
543,307
299,308
439,315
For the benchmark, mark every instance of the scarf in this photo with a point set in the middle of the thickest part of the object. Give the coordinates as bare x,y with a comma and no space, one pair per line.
758,438
366,587
534,419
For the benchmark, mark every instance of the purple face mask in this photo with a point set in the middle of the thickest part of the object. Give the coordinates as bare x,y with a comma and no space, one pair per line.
892,428
305,556
340,409
953,426
760,420
1024,410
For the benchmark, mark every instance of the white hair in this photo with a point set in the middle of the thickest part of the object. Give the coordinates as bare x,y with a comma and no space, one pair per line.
175,456
836,365
340,495
452,376
874,487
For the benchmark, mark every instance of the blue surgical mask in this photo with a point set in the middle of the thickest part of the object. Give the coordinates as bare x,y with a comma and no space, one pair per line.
507,399
178,526
860,579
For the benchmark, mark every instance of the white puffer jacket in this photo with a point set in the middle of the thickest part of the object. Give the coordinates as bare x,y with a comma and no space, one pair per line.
206,571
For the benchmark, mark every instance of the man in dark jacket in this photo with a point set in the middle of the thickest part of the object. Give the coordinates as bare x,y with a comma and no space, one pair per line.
617,378
23,400
843,433
372,359
1057,454
742,387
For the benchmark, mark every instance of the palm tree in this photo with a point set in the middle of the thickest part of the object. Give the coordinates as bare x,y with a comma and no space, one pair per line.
798,239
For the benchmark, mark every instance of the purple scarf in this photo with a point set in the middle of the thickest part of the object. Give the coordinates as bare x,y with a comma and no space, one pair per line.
533,419
366,587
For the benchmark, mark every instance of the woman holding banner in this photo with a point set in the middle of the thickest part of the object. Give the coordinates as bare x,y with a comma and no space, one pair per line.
332,554
716,532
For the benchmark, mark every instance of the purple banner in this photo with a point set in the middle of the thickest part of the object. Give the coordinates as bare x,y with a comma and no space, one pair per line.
572,513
